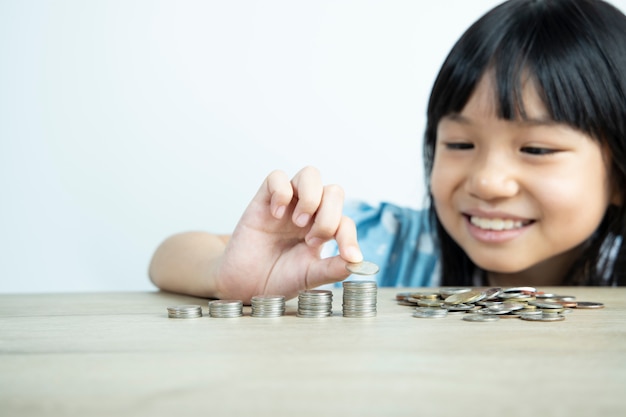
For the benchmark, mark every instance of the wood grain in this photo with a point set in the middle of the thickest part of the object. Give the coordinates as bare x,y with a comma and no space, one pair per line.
118,354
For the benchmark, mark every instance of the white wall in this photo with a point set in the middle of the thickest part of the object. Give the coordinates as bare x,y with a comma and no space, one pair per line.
122,122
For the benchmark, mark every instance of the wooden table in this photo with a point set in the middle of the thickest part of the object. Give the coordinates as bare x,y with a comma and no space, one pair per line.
118,354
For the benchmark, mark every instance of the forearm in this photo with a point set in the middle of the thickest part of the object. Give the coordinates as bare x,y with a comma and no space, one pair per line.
186,263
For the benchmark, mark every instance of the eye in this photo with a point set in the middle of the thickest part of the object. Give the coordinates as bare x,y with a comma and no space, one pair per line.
535,150
458,146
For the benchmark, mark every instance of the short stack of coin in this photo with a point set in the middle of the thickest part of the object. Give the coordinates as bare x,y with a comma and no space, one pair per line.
226,308
268,306
315,303
184,312
359,298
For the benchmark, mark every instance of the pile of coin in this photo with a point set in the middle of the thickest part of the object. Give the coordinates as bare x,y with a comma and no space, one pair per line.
315,303
493,304
226,308
359,298
268,306
184,312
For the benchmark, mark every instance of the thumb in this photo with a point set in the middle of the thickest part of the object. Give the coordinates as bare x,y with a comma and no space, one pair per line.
327,271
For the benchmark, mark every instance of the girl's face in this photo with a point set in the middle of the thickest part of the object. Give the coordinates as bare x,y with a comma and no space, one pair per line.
520,197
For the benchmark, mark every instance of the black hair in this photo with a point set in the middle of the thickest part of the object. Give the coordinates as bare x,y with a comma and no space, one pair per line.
575,53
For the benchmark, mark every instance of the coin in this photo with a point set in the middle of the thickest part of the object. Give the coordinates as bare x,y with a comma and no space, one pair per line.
545,304
429,303
521,289
458,307
568,304
481,317
446,292
492,293
542,317
429,313
403,296
589,304
363,268
465,297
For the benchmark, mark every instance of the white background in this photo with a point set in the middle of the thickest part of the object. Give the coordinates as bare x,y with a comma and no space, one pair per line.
123,122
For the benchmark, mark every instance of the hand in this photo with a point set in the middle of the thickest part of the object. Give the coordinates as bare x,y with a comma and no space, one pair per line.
276,246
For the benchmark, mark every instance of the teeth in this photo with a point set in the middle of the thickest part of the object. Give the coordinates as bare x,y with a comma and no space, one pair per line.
496,224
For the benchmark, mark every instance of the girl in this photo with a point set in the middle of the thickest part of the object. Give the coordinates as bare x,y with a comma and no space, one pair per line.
525,155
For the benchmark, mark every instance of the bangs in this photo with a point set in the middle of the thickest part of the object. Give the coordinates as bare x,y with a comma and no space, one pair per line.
575,81
565,51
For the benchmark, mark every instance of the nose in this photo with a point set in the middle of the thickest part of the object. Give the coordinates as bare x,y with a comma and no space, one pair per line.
492,177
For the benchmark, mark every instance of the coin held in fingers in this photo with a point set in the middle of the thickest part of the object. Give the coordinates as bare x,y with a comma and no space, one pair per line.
362,268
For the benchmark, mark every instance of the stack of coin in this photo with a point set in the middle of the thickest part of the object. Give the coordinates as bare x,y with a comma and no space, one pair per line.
184,312
359,298
315,303
268,305
225,308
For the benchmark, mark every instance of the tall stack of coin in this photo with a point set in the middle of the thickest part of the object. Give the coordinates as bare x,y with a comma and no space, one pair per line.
268,305
226,308
184,312
359,298
315,303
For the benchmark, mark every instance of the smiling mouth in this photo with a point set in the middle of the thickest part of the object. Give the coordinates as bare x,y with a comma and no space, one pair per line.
498,223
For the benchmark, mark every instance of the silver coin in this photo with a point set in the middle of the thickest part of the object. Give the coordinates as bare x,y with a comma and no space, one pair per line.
492,293
543,295
559,297
363,268
469,297
481,317
184,308
446,292
268,298
507,307
430,313
531,312
520,289
457,307
589,304
546,305
542,317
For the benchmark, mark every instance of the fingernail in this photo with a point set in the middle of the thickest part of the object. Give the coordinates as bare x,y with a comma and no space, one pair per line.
314,242
280,212
353,254
302,219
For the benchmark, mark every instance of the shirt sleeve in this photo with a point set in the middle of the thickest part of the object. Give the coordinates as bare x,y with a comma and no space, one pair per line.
399,240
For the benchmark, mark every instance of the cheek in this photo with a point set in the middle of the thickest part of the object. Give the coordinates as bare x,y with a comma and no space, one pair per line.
575,199
437,185
442,181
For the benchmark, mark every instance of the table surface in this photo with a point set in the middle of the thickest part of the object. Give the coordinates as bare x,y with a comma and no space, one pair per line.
118,354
